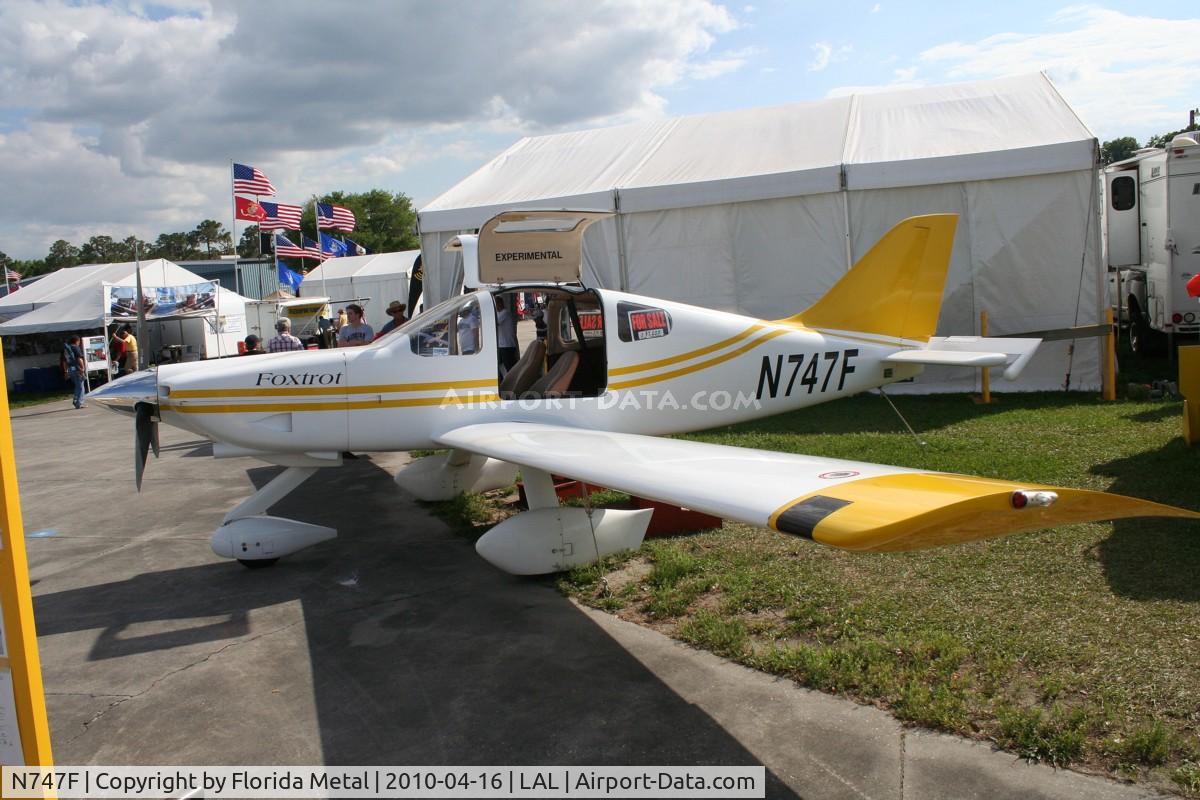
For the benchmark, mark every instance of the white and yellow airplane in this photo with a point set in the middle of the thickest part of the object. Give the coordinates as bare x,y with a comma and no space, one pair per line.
622,371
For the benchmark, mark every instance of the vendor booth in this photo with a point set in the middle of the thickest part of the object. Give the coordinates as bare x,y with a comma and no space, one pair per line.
372,281
187,317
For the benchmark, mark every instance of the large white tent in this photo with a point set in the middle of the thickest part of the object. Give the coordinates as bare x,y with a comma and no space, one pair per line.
74,299
760,211
375,280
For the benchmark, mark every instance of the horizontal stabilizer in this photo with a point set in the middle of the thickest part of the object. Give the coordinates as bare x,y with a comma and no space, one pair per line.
972,351
852,505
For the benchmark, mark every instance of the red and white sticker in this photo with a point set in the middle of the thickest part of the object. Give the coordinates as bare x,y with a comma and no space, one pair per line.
841,473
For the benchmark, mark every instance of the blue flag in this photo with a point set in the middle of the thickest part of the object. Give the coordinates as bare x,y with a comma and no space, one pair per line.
332,246
288,277
355,249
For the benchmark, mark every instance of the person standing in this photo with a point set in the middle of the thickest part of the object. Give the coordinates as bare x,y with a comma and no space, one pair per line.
395,310
131,348
117,352
283,341
506,334
355,333
74,368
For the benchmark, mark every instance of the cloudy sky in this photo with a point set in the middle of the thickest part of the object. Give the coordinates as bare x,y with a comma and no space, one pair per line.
121,118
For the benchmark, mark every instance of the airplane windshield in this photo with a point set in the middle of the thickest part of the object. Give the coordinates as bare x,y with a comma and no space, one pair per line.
442,309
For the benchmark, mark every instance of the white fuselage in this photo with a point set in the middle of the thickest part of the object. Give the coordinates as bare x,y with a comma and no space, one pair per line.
699,370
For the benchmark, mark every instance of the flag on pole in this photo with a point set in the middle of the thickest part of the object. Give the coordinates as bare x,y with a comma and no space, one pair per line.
288,277
12,275
312,249
249,209
331,246
285,248
279,216
355,249
248,180
336,217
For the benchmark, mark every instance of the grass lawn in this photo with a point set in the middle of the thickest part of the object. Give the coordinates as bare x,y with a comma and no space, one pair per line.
1076,646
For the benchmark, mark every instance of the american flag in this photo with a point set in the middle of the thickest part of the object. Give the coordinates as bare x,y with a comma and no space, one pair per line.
250,181
312,249
335,217
280,216
285,248
12,275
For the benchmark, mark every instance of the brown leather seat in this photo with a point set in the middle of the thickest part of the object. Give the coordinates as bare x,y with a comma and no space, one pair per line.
518,379
557,380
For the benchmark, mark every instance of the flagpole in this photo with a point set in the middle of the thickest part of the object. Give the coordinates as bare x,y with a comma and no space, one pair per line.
233,204
320,245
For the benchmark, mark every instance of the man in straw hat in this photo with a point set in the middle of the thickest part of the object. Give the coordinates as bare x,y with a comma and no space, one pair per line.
395,310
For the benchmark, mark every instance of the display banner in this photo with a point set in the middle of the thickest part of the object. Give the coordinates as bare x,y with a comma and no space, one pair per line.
160,302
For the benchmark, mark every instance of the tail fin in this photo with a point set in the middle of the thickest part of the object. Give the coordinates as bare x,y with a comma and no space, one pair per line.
894,290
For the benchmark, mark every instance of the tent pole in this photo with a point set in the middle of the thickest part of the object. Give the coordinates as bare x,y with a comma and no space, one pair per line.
622,262
141,307
846,219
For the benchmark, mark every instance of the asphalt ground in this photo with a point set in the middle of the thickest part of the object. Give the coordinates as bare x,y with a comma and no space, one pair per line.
396,644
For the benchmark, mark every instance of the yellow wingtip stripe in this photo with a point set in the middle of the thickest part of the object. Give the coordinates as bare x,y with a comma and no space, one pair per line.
913,511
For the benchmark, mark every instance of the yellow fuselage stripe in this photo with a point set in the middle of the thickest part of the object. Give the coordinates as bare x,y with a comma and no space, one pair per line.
317,391
345,405
712,362
666,362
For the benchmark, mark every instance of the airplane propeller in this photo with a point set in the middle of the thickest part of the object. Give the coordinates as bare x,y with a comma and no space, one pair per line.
145,437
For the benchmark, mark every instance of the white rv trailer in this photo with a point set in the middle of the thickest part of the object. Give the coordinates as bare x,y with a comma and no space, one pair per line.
1152,238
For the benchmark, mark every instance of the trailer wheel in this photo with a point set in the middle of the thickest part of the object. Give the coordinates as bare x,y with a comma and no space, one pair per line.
1144,341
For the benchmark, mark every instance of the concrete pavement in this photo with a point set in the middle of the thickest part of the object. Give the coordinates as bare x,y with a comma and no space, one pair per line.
396,644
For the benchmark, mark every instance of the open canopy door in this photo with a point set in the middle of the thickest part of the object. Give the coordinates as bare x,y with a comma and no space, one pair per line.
526,246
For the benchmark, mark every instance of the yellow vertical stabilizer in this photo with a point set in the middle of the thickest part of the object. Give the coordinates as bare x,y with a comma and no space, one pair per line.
896,288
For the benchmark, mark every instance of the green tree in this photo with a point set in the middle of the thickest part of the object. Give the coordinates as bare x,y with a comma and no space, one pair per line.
248,246
174,247
1164,139
210,234
100,250
133,248
62,254
29,267
1118,149
385,222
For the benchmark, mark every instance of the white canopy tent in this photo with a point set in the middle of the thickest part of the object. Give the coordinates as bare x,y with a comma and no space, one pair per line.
760,211
74,299
378,279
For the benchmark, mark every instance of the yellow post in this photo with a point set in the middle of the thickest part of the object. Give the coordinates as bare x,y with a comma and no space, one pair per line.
986,378
20,667
1110,358
1189,387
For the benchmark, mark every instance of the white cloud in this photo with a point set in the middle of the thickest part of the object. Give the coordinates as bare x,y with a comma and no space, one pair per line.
1123,74
115,118
875,9
722,64
825,54
821,53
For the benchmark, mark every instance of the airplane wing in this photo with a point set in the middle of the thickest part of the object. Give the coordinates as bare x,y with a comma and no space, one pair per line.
972,351
847,504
